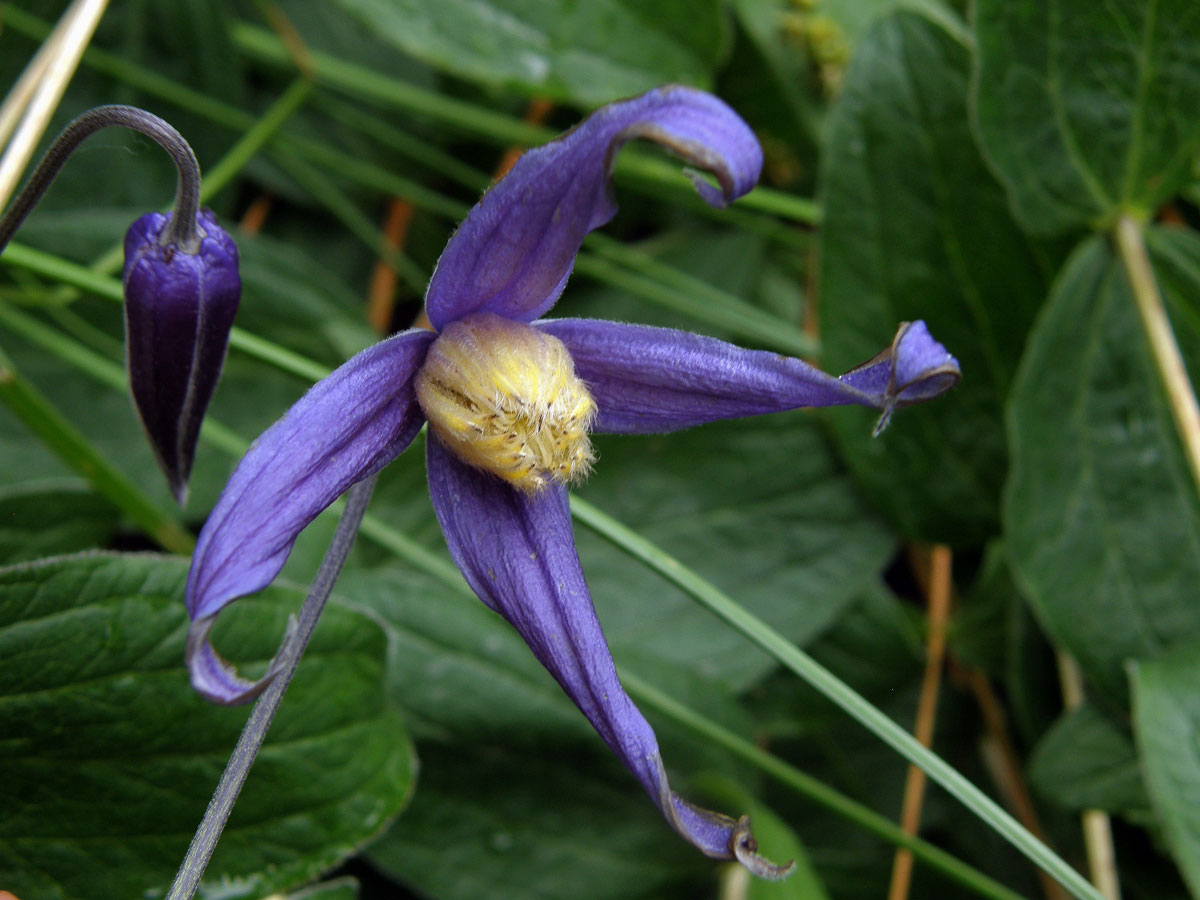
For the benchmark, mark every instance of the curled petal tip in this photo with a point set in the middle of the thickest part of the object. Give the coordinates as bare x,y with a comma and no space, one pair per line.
513,253
922,368
215,679
744,848
179,308
914,369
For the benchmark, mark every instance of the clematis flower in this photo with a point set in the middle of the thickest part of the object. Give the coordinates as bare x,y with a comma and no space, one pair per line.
510,399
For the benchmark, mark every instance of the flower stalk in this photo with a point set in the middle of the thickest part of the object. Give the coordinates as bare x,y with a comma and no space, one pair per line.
181,230
283,667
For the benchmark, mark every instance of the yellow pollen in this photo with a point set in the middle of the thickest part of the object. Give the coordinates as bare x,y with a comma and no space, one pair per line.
503,396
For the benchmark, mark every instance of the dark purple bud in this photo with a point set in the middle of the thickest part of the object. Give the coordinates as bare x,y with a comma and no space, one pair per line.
179,307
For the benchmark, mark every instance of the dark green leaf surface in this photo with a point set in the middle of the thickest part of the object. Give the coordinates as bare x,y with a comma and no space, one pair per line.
916,228
1102,514
588,53
1086,761
533,821
336,889
1087,107
56,517
1167,724
110,758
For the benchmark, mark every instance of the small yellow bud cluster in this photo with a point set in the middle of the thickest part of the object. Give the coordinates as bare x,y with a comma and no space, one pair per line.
503,396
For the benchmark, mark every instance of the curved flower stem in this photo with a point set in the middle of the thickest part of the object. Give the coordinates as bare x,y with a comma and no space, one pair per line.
230,785
1131,244
836,690
181,230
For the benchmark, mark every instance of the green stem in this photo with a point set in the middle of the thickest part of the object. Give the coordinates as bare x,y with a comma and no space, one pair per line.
1164,349
645,171
799,662
436,565
109,288
344,210
200,852
41,417
675,289
256,138
471,119
805,785
252,141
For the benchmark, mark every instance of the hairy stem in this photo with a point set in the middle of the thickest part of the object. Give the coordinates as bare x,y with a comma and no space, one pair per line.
180,231
248,745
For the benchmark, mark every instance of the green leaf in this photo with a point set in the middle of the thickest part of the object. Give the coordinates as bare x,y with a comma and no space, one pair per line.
57,517
540,821
1086,108
1167,725
916,228
588,53
1102,514
110,757
335,889
1087,761
854,17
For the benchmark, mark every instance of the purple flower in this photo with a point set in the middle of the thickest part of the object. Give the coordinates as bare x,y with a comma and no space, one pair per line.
179,307
510,400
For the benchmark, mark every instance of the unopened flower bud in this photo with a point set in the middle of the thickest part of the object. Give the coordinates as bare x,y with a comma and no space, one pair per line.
179,308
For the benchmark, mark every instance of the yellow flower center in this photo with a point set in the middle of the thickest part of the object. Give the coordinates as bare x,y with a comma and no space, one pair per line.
503,396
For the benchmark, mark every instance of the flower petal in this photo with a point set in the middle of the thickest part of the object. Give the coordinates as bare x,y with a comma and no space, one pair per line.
518,554
514,251
346,427
647,379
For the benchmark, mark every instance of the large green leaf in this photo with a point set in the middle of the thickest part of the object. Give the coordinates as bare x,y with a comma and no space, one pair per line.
109,757
916,228
1087,107
1102,514
589,53
1167,724
1087,761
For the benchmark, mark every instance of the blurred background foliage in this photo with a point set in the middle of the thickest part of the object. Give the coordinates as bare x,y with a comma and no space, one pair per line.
969,167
